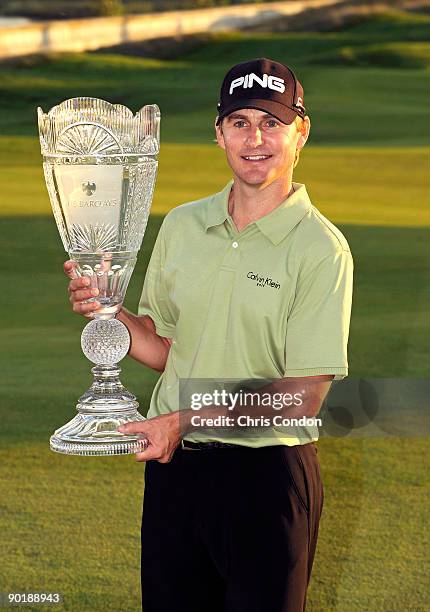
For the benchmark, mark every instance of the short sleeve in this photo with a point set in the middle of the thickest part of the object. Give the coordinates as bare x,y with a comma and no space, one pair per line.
154,300
318,325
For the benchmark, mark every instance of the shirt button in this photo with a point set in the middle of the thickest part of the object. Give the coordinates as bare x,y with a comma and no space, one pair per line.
235,245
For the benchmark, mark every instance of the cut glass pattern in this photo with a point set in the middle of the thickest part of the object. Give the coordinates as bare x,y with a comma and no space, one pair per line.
93,238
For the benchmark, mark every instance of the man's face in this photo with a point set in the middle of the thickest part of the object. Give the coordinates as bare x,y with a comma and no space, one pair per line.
260,149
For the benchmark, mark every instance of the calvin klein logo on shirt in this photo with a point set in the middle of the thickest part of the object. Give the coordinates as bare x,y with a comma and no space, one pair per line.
263,281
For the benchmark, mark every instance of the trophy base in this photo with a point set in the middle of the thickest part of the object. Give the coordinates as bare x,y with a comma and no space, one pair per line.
101,410
96,434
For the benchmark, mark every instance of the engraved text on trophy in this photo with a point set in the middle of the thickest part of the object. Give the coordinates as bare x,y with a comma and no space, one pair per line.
92,195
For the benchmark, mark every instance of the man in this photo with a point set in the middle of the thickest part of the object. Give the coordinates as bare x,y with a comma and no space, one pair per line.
250,284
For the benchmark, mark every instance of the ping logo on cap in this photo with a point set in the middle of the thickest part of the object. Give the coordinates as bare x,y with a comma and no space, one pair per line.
266,81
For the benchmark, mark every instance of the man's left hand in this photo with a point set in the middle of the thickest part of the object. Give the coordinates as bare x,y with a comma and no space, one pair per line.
162,433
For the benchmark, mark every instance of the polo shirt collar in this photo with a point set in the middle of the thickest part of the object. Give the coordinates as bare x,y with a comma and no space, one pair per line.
279,222
217,208
275,225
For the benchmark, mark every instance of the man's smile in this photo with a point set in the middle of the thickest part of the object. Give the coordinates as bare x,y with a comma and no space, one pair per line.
255,158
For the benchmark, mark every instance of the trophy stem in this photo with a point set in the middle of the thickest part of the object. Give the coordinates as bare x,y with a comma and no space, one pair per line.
107,393
106,404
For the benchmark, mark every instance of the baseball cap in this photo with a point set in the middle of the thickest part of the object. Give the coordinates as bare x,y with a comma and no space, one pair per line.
265,85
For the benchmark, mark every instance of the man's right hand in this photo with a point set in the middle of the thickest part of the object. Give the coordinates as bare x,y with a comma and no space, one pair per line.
80,290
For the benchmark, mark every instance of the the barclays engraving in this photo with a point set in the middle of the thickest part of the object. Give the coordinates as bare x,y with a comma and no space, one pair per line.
93,203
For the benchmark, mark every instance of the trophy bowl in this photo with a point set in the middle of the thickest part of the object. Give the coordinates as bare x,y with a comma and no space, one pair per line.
100,165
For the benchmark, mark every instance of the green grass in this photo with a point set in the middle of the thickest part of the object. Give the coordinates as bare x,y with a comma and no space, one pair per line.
355,82
390,55
369,187
392,25
72,524
347,107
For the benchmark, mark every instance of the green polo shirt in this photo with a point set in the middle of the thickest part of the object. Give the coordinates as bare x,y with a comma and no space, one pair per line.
270,301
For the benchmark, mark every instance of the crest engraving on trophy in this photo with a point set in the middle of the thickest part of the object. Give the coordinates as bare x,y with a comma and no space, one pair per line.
88,188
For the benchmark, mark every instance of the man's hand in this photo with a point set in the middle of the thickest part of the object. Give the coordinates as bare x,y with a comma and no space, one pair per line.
80,290
163,434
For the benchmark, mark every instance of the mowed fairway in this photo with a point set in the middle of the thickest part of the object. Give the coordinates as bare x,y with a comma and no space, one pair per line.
71,524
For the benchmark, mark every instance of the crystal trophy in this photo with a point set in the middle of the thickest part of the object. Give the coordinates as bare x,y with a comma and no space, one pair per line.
100,165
